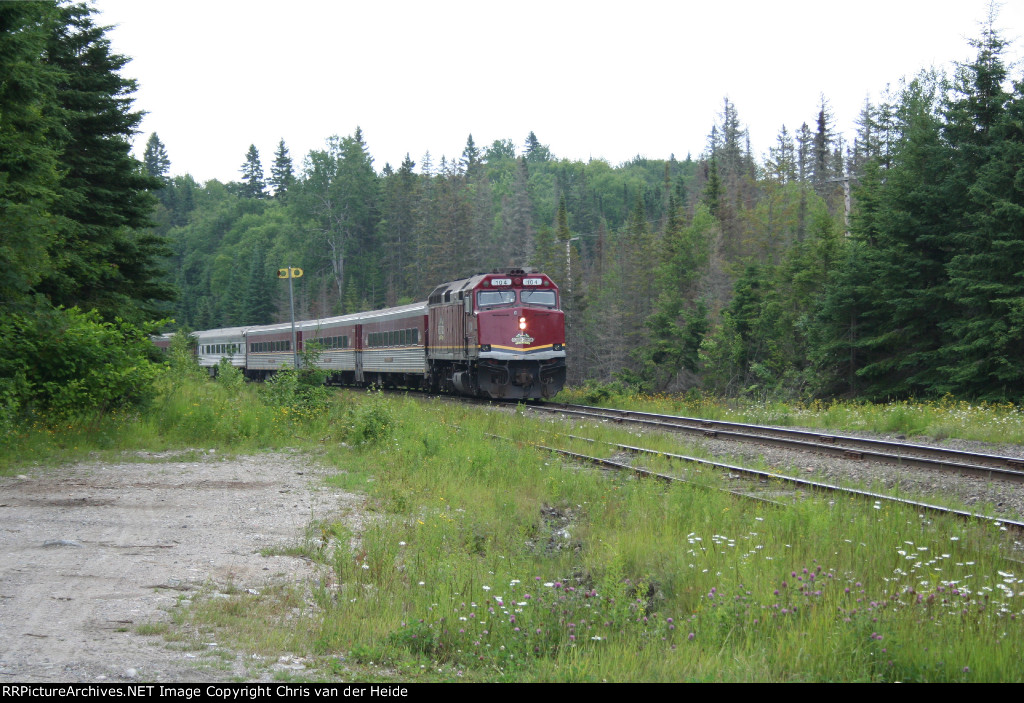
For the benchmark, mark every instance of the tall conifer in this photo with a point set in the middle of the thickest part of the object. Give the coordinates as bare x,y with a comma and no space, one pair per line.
107,256
253,183
282,175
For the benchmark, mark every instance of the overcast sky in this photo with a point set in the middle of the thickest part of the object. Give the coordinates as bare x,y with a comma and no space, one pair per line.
591,79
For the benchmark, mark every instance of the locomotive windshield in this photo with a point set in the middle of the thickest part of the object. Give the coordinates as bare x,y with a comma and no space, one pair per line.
495,297
545,298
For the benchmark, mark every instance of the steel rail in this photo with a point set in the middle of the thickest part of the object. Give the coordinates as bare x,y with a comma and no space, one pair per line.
764,476
857,448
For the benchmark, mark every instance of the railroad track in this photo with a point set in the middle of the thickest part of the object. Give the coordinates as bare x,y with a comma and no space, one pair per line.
795,484
768,485
988,466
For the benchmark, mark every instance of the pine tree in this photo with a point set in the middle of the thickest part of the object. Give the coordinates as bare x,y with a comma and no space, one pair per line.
106,255
887,309
712,196
470,156
868,143
281,174
258,306
984,354
517,245
398,222
156,160
253,184
804,153
781,163
679,321
804,170
535,151
822,172
29,152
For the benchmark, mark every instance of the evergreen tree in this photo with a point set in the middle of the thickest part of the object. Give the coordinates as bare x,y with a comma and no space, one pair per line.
398,223
281,174
470,156
868,143
517,245
730,154
253,184
258,306
712,196
804,153
984,353
106,255
781,162
822,172
29,152
562,239
680,320
535,151
155,158
888,307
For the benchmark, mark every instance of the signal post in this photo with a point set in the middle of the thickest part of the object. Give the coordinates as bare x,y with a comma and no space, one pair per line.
290,273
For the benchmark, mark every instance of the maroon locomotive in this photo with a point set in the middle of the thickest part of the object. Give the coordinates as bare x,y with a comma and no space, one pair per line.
498,335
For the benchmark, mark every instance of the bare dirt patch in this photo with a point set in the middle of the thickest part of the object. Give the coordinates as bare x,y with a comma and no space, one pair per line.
93,552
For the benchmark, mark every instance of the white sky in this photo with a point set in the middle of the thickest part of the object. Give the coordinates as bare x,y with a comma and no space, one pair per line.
591,79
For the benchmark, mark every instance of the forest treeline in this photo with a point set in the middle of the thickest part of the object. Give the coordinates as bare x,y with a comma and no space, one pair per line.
82,269
888,266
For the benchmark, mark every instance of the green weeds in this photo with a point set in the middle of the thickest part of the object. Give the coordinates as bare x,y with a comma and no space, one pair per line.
948,417
488,560
492,561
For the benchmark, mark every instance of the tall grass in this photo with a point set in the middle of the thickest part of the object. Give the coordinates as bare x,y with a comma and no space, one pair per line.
192,411
493,561
948,417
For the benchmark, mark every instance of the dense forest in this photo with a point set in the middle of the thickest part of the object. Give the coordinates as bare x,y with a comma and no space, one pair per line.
889,265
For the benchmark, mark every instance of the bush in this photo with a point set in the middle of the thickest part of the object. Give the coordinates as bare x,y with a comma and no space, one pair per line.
65,362
301,391
372,422
229,375
182,357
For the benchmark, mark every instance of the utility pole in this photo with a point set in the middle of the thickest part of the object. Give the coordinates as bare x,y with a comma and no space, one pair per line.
290,273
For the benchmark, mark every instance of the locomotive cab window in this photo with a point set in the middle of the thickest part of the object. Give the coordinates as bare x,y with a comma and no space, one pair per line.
487,298
543,298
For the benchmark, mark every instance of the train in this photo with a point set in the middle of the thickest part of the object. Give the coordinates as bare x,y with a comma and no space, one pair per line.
498,335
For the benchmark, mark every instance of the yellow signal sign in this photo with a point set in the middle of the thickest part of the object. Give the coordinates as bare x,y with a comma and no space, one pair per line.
284,273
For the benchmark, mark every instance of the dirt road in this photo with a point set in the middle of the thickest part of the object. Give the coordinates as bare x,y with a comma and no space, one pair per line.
91,552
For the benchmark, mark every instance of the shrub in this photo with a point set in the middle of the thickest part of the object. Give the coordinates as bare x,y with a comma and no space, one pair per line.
302,390
65,362
229,375
372,422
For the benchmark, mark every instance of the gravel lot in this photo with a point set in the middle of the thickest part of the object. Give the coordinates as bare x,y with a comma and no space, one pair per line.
92,552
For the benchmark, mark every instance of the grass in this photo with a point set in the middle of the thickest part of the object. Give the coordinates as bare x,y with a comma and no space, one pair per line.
493,561
949,417
465,576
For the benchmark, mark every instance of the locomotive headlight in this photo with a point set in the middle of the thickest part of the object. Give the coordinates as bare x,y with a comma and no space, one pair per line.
522,323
